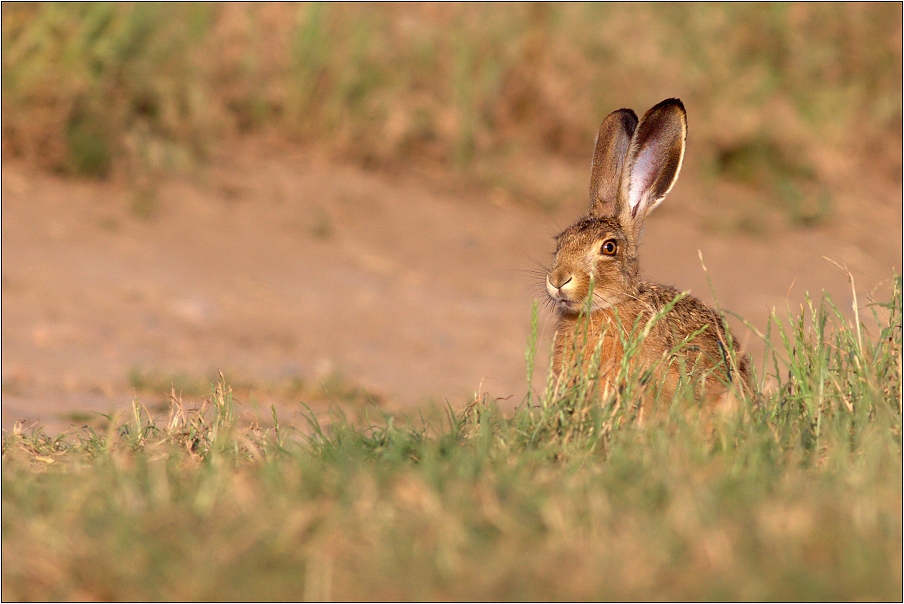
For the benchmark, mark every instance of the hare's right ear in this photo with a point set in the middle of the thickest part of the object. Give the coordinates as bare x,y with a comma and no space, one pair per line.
608,158
653,161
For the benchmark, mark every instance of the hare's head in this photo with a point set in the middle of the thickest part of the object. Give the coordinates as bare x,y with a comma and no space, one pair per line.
634,167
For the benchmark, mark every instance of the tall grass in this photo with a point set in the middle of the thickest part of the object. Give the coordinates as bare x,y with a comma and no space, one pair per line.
796,494
89,88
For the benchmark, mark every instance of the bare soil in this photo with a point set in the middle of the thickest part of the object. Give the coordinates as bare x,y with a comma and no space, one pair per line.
283,266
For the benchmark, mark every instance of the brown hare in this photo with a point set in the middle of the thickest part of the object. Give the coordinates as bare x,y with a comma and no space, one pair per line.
634,167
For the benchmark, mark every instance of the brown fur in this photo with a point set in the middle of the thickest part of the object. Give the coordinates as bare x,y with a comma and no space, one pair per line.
603,247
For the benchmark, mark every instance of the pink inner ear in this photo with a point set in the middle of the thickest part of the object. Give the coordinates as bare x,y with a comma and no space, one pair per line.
643,174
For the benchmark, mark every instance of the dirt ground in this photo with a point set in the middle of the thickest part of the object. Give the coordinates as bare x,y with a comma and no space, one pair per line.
275,266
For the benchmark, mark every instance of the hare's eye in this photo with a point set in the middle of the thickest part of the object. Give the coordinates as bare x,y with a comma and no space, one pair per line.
609,248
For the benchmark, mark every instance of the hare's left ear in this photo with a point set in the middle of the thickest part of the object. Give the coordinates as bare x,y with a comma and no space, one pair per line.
653,161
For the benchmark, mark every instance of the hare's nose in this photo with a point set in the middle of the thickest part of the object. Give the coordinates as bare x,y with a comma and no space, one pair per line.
557,280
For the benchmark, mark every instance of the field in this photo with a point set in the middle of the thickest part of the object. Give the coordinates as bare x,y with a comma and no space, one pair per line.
796,495
268,272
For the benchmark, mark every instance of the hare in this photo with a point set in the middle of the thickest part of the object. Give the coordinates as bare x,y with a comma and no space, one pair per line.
634,167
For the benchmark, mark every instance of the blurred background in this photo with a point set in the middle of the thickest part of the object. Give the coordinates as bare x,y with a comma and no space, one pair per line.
350,202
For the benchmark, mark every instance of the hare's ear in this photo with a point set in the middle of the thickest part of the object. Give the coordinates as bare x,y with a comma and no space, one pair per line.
608,157
653,161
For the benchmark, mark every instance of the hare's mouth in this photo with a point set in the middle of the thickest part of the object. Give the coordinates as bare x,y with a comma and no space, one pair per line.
570,306
566,305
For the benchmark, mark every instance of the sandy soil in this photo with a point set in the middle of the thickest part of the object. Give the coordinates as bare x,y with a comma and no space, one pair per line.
273,265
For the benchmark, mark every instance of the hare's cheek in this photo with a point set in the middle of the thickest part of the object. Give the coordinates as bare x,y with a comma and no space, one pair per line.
584,284
608,271
602,268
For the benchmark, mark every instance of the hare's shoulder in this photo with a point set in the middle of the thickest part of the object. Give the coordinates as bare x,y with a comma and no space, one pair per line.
689,313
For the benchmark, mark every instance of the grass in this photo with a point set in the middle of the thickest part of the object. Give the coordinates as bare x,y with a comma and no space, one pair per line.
334,387
97,89
796,495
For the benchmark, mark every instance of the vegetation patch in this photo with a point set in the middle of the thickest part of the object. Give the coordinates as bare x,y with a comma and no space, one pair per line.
794,495
140,88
